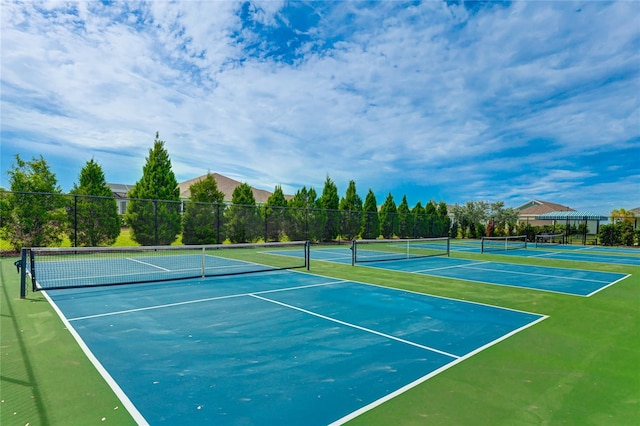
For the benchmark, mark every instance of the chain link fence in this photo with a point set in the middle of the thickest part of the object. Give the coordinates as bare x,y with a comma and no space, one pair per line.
72,220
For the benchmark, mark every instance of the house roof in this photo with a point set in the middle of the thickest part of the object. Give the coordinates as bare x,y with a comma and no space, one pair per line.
119,190
537,207
226,186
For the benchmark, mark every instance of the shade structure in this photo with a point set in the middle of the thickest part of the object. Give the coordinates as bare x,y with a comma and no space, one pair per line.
571,215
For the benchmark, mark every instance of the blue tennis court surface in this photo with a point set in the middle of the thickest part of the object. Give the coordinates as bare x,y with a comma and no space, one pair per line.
599,254
561,280
272,348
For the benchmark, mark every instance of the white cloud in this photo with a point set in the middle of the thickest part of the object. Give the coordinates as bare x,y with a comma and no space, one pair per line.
382,94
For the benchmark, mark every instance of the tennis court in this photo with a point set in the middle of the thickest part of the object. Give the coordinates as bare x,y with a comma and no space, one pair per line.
560,280
279,347
600,254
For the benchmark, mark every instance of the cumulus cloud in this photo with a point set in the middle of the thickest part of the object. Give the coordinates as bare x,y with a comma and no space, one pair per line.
489,101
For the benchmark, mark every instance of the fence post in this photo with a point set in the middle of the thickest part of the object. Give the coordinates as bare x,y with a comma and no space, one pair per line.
75,220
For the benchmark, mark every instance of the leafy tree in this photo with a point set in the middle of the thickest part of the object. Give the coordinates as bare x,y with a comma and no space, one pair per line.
388,214
475,214
203,214
243,221
370,218
505,220
153,211
405,219
460,219
621,214
329,201
274,215
33,220
351,212
609,235
93,217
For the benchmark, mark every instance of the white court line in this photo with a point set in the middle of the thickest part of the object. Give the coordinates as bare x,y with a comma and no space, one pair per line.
606,286
540,275
452,267
208,299
149,264
415,383
368,330
131,408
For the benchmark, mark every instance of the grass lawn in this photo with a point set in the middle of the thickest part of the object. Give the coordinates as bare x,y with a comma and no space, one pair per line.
579,366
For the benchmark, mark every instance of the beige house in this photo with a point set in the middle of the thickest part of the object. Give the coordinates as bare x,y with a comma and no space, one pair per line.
225,185
528,212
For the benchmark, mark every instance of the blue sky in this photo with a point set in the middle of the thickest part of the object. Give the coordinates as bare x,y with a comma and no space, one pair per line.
451,101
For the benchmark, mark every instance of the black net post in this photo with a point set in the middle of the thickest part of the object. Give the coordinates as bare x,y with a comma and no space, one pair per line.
22,268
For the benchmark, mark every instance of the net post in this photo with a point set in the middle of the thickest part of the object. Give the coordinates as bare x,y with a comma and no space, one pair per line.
307,254
353,252
23,273
202,267
448,246
32,270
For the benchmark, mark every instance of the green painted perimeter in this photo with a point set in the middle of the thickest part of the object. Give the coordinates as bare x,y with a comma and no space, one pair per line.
579,366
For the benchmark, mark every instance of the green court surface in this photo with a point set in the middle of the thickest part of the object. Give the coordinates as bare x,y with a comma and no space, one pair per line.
579,366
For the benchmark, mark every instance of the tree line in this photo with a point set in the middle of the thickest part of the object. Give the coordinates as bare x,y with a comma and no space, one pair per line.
35,213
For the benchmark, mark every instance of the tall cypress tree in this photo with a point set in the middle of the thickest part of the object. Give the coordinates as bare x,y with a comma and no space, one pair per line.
432,219
153,213
405,219
93,217
242,217
370,218
351,213
329,202
203,214
388,218
274,215
419,221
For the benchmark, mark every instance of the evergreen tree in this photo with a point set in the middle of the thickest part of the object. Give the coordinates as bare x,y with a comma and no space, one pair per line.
370,218
329,202
351,213
202,222
304,218
445,220
153,212
243,221
405,219
93,217
274,215
388,218
34,220
431,219
419,221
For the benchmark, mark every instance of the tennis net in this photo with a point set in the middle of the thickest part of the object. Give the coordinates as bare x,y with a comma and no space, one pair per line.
59,268
546,240
513,242
390,249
